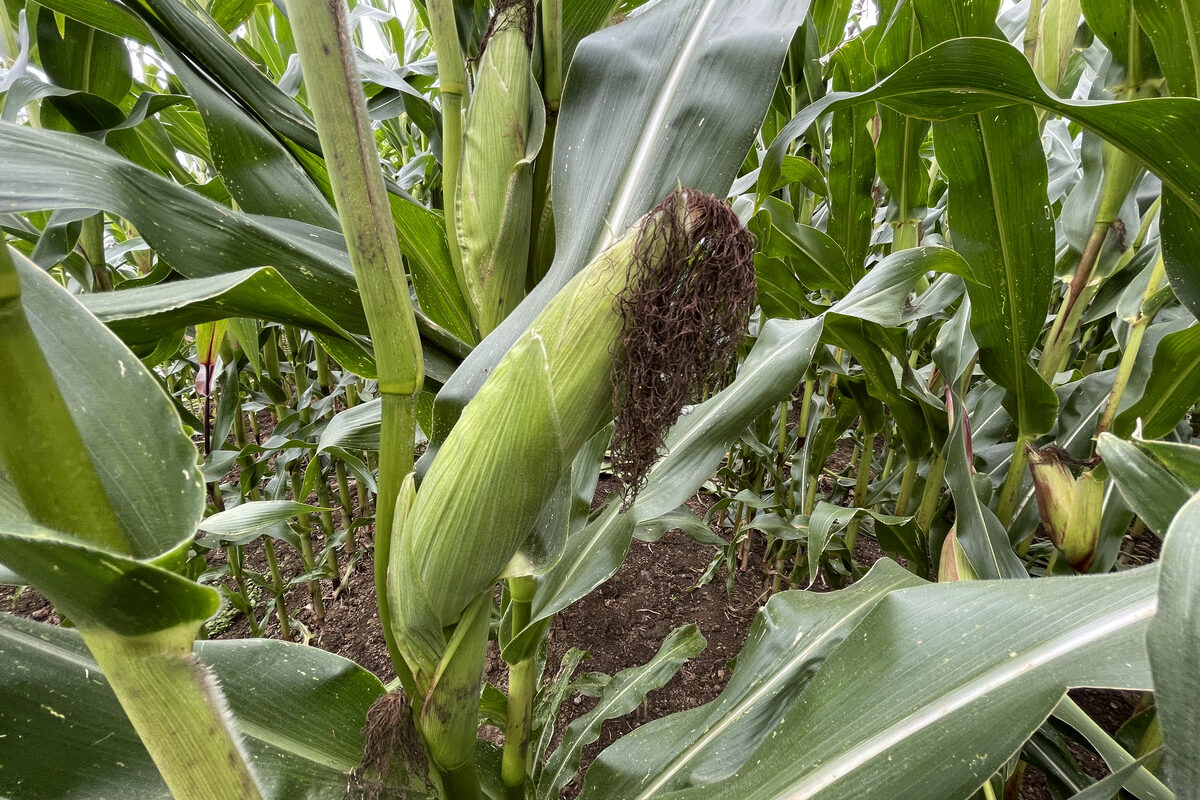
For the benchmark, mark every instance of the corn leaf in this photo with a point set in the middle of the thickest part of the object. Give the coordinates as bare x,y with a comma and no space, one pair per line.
1003,652
254,515
355,428
1156,478
698,440
142,316
259,172
852,157
103,15
970,75
984,539
145,460
1174,645
300,712
1171,26
1172,388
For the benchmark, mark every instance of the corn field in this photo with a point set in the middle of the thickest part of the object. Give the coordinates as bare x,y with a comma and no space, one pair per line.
294,289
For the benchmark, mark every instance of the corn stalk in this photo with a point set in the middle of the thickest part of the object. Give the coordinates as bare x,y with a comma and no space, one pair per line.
327,56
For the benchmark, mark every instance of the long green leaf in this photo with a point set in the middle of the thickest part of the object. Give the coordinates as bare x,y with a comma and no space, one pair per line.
1173,26
145,460
300,712
940,685
254,515
980,532
1143,473
1174,646
852,156
971,75
145,314
45,170
696,443
1172,389
259,172
104,15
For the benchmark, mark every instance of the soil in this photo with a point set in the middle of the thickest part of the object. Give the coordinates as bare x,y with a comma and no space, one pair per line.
620,625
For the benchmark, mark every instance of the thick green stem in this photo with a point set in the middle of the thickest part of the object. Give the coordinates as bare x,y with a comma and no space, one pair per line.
522,686
299,369
38,436
907,233
91,242
306,549
1121,172
271,362
277,588
452,84
806,404
906,486
170,699
1032,31
343,484
552,55
1066,322
1137,331
933,490
360,490
393,439
327,57
326,500
861,482
889,465
1012,483
324,376
314,586
233,554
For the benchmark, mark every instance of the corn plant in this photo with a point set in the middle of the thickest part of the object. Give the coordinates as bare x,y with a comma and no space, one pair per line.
537,238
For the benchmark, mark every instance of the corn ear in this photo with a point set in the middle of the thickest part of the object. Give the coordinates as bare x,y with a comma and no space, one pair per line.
954,564
1070,508
1054,486
502,135
515,440
493,473
483,493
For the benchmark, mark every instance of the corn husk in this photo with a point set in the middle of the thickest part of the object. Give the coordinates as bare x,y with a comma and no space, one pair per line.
1070,508
515,440
484,491
501,137
954,564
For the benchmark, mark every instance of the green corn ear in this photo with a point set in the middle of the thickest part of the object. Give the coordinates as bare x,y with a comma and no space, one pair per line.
954,564
518,436
502,134
1070,508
